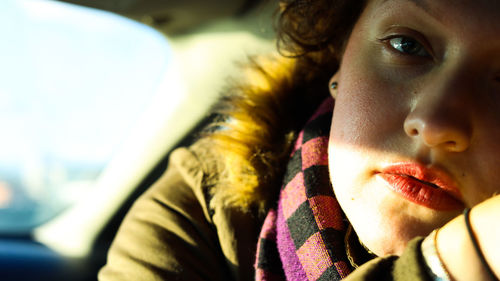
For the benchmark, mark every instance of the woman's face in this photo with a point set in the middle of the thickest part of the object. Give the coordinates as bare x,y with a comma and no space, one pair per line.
415,133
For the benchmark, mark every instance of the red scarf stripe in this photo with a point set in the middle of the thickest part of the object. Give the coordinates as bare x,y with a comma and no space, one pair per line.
309,225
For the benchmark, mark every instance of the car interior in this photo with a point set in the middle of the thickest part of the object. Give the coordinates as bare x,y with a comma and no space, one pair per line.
179,54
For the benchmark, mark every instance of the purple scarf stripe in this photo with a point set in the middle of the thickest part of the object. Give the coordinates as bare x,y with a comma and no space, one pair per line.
292,266
308,227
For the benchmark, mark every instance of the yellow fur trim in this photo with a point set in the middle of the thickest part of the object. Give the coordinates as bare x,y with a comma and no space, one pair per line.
247,143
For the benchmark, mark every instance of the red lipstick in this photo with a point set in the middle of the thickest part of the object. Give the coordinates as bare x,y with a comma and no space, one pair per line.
429,187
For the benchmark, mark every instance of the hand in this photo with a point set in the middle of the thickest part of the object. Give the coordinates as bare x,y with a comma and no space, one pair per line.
457,251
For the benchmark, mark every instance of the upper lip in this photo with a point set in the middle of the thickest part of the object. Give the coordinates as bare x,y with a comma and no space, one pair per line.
433,176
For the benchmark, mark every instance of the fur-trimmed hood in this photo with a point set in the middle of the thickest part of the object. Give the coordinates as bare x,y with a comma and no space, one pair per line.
260,115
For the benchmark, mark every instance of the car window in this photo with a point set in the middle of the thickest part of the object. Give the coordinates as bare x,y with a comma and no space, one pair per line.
73,82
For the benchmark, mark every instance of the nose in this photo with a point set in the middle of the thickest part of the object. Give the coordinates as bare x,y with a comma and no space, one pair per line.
441,119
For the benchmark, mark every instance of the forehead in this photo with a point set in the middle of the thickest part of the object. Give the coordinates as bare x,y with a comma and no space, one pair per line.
469,17
448,10
489,6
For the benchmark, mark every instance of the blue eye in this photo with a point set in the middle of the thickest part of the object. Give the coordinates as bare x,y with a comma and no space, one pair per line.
408,46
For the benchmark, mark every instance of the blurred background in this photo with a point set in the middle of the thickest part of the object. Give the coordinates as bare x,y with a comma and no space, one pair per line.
93,97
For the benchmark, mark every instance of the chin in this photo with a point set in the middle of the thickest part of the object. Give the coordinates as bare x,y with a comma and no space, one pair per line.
387,244
390,237
387,225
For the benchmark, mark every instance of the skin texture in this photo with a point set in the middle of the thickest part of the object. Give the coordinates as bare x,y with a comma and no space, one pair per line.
457,251
437,104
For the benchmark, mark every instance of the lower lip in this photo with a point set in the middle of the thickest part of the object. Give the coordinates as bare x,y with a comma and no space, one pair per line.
421,193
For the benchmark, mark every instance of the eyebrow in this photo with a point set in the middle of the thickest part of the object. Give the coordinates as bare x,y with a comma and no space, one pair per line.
419,3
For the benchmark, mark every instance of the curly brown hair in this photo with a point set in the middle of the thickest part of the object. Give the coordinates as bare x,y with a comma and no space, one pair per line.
262,116
308,27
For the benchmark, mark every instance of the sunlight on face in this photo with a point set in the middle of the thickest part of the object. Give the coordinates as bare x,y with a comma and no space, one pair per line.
415,135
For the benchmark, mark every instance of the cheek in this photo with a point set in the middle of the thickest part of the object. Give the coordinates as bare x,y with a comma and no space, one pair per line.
365,117
369,108
371,102
351,117
481,171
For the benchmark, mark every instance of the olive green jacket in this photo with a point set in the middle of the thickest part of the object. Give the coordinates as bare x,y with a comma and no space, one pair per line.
172,233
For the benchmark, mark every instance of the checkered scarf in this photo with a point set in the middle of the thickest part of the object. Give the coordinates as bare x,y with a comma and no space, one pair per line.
303,239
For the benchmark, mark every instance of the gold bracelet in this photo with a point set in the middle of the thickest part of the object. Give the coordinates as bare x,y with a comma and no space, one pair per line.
433,261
